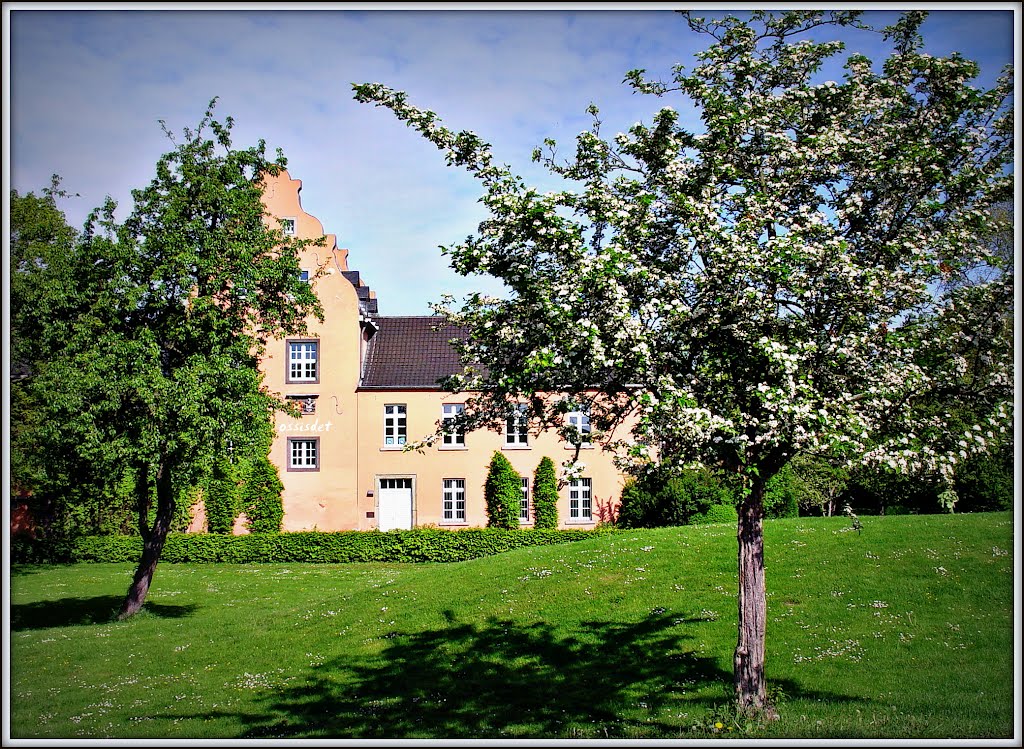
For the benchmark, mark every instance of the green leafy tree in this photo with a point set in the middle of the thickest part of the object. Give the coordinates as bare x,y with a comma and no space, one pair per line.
545,495
261,497
760,285
502,493
819,483
151,354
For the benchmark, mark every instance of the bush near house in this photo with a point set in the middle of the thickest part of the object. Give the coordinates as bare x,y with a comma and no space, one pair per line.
223,497
671,499
416,545
502,493
261,497
545,495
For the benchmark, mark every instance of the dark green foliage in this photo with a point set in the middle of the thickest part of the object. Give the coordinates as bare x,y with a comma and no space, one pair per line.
885,492
545,495
716,514
261,497
143,338
985,482
223,498
416,545
819,483
663,499
502,493
782,494
57,479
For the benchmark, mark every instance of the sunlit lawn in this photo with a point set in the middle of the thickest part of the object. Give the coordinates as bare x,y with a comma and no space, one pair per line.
903,630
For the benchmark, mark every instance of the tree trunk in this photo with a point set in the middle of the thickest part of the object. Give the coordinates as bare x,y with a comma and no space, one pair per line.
152,543
748,661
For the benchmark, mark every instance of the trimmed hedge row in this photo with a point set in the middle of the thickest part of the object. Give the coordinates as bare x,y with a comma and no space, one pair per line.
417,545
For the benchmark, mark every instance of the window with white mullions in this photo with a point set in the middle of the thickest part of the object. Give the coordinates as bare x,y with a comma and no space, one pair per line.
580,507
303,361
394,424
580,418
516,434
453,500
453,436
304,454
524,500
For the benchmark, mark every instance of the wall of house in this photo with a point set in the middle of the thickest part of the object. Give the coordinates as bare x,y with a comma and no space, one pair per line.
439,462
321,499
344,493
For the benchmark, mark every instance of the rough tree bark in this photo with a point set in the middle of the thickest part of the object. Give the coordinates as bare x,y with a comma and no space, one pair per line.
153,539
748,660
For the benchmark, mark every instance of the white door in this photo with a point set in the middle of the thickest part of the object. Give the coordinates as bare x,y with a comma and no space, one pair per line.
395,504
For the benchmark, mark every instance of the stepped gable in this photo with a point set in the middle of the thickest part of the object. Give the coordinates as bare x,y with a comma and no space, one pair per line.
408,353
367,299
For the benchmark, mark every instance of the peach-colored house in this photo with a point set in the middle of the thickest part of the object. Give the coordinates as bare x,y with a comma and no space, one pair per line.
367,385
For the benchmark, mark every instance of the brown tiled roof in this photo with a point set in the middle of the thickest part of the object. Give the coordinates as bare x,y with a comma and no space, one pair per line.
406,352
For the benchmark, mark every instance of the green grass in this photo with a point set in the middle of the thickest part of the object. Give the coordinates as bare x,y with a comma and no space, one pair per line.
903,630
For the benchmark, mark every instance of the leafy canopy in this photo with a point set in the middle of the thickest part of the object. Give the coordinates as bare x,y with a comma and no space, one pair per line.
143,338
766,282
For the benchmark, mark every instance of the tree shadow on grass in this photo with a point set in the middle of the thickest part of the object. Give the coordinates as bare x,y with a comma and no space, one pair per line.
504,679
70,612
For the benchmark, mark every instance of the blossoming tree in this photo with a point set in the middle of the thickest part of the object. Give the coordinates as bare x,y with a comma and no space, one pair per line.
766,284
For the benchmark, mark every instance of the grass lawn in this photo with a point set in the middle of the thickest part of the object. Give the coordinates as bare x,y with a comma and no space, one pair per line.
902,630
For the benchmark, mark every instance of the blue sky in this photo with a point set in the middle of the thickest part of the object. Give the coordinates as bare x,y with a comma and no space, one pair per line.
88,87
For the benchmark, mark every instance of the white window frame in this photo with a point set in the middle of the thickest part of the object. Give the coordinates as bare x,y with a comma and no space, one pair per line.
517,430
288,232
303,361
579,417
304,275
303,454
581,500
453,501
453,438
524,500
396,419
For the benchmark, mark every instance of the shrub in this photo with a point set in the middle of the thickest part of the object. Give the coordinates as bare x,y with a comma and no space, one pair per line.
664,499
261,497
341,547
502,493
545,495
716,514
222,498
636,506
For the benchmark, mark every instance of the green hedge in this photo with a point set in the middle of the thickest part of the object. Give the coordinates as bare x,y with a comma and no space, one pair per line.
417,545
